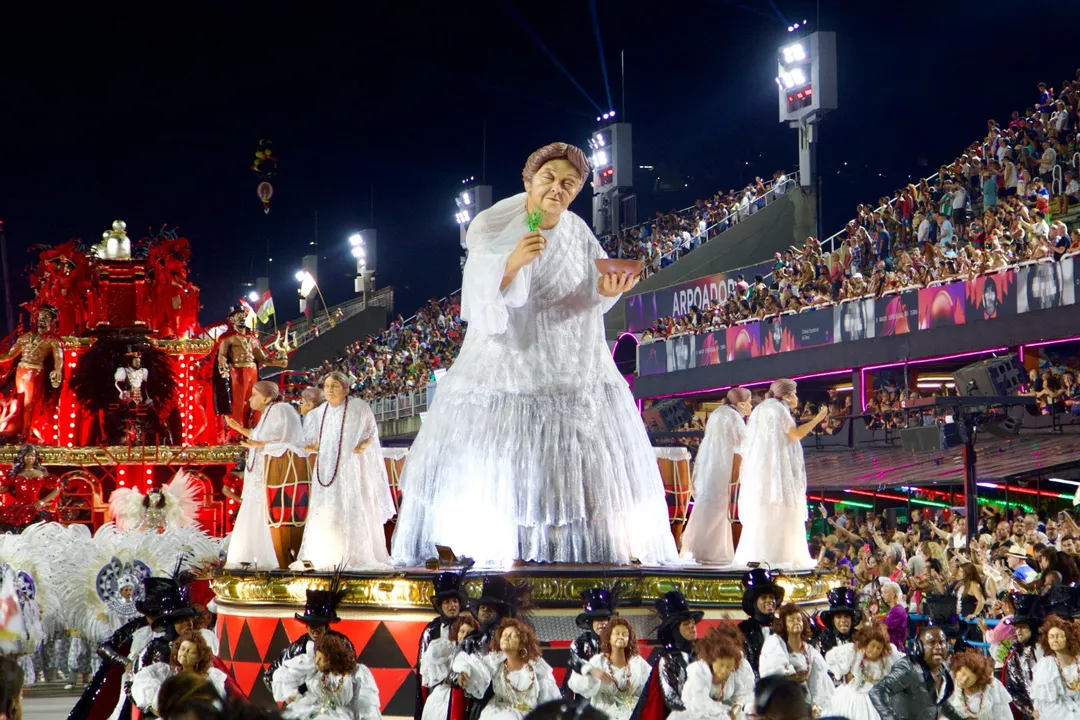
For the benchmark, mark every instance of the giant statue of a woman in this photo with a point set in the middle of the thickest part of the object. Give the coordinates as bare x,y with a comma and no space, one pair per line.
533,448
772,496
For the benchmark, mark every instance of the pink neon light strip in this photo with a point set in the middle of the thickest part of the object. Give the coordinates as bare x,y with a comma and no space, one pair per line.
921,361
619,340
1044,343
708,391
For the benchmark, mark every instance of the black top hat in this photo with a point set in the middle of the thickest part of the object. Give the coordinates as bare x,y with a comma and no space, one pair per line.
841,601
599,603
321,607
451,584
502,593
50,310
1028,610
942,611
235,310
166,599
673,610
758,582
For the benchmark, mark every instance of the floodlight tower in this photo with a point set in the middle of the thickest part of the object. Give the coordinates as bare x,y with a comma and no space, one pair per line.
471,201
362,247
806,84
613,174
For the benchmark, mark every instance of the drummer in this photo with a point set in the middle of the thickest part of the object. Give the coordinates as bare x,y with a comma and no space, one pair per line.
279,427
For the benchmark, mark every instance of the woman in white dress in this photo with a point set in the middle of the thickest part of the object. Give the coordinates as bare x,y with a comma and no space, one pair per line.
310,398
533,429
328,684
720,683
518,677
435,666
190,654
279,428
1055,687
350,495
707,537
614,677
772,500
788,652
979,695
857,665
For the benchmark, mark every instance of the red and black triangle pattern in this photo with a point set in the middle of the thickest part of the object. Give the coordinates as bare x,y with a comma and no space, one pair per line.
388,648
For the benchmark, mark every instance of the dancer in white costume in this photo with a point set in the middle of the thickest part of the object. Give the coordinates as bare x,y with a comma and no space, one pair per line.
707,537
350,495
857,665
772,500
279,427
533,448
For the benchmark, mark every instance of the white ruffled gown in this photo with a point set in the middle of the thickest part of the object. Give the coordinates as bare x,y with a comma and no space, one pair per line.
616,701
1052,698
147,683
533,447
851,699
281,427
705,700
776,660
772,494
990,703
435,673
350,498
707,537
328,696
515,694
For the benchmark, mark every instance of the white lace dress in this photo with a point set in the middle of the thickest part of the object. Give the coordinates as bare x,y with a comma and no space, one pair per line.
851,699
533,430
705,700
435,674
1054,699
772,494
616,701
147,684
516,694
707,537
990,703
350,498
776,660
280,426
326,696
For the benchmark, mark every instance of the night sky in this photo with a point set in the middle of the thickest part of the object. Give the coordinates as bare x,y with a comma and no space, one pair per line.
154,118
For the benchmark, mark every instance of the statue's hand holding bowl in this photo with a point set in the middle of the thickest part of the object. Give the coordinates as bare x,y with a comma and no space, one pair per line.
615,284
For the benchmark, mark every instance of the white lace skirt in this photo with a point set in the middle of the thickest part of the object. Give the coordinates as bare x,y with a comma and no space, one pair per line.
563,476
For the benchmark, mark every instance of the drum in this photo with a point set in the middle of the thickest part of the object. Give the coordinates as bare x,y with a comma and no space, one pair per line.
394,458
674,463
288,485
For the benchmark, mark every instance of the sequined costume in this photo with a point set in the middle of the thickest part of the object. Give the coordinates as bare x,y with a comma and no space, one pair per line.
1018,673
28,491
449,585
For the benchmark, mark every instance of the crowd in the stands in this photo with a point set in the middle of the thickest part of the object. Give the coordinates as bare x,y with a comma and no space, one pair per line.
996,205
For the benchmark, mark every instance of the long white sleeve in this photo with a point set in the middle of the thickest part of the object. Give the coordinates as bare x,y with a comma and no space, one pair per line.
146,685
547,689
366,703
478,671
774,658
292,673
435,662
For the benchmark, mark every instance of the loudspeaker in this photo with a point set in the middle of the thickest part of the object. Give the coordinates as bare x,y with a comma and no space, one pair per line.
932,437
996,376
667,415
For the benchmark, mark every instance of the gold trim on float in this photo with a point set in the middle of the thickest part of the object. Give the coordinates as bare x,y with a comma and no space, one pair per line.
549,588
134,455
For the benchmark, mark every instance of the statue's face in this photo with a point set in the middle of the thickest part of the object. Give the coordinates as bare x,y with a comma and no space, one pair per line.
237,321
44,322
510,640
620,637
722,669
1057,639
136,362
554,186
873,649
465,630
794,624
965,678
306,406
188,654
322,663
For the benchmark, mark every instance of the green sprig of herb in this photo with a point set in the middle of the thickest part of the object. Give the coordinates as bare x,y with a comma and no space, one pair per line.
534,219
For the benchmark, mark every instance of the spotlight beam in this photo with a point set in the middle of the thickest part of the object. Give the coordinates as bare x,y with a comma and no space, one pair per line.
595,12
779,14
543,48
753,11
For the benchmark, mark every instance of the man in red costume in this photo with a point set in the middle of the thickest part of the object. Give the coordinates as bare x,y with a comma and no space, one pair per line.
239,356
34,350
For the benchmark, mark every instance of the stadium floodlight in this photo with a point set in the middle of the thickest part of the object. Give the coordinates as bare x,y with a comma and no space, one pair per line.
465,199
463,217
356,239
358,252
253,296
793,53
601,158
301,274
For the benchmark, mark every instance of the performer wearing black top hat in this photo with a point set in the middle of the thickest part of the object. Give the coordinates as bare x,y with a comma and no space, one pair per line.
320,612
499,599
840,620
599,605
1020,662
759,601
177,616
676,633
449,599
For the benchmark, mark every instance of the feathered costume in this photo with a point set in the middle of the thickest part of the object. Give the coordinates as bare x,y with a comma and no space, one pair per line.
175,300
29,561
92,383
174,505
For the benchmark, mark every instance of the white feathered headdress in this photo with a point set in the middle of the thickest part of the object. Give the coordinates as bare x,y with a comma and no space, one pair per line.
129,507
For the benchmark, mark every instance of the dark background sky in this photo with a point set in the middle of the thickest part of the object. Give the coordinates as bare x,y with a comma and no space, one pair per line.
154,117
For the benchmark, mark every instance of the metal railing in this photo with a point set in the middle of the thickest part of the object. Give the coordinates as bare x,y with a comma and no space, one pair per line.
402,405
303,332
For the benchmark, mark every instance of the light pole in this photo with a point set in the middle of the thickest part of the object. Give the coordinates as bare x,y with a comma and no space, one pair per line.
307,284
358,249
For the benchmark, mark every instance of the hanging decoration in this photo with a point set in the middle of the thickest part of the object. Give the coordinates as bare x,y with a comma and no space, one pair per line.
265,168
